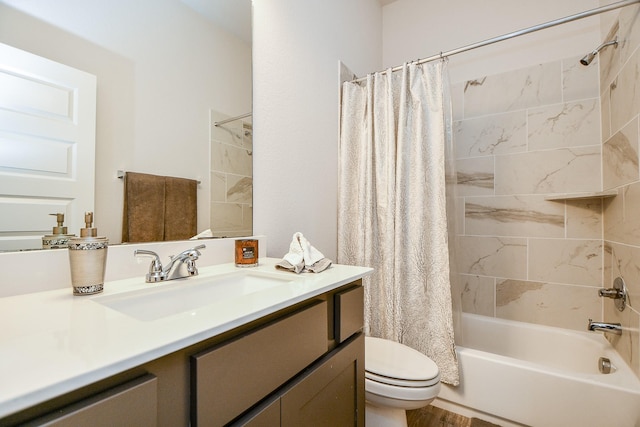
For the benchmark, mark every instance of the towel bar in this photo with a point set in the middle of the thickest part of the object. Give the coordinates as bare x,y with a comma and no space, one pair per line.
120,174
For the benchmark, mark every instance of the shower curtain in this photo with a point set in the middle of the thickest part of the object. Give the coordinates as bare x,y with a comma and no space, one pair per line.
394,172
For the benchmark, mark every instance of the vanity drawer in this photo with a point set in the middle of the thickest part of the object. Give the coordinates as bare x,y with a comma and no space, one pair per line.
349,312
134,403
230,378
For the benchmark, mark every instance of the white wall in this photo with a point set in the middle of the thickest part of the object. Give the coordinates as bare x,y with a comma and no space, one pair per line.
414,29
160,68
297,46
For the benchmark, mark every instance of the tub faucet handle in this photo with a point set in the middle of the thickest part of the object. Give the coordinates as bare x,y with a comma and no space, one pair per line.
618,293
610,293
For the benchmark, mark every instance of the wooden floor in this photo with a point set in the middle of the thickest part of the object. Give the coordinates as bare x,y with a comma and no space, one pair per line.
431,416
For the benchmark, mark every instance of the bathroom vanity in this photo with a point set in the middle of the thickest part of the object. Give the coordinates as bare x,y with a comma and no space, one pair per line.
256,347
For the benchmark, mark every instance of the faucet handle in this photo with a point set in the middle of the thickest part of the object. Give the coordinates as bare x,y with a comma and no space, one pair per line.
196,251
193,254
155,273
618,293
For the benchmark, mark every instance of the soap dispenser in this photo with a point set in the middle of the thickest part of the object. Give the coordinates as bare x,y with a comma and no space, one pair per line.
59,237
88,259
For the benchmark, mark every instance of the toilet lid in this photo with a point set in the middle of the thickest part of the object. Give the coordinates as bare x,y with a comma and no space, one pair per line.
397,364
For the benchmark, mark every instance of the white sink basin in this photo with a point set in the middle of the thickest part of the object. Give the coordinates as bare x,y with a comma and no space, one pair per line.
184,295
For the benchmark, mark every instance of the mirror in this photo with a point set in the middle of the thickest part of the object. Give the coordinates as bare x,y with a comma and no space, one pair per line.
166,71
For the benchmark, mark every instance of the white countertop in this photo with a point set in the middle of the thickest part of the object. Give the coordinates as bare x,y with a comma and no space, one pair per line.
53,342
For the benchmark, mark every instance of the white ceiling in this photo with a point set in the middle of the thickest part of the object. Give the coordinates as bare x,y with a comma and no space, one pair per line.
232,15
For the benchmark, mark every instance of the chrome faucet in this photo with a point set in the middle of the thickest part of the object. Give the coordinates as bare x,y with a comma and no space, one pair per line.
614,328
180,266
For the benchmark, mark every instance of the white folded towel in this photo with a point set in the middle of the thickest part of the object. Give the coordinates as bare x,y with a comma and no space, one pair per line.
302,256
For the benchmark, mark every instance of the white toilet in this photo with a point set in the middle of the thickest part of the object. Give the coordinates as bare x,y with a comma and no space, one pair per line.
397,378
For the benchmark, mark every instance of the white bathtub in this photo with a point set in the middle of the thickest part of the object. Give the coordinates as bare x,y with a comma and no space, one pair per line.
540,376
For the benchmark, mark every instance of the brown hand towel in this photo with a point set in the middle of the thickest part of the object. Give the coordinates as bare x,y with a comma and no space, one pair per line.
158,208
143,219
180,208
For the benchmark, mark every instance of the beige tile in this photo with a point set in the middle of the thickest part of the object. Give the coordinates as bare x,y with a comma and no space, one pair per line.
612,315
228,133
578,81
457,100
584,218
494,134
247,135
570,124
478,294
634,331
459,215
605,113
565,306
513,216
564,170
625,94
226,217
230,159
239,189
608,60
620,157
629,31
613,217
627,344
570,261
493,256
626,264
621,222
217,156
607,265
514,90
218,187
475,176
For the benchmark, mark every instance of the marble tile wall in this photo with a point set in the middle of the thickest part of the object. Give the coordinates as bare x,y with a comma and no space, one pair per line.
620,105
546,130
521,136
231,177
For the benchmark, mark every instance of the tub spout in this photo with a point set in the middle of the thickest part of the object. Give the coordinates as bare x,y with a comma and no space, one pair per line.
614,328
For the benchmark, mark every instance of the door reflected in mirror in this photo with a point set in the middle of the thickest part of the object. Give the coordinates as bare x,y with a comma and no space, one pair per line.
166,71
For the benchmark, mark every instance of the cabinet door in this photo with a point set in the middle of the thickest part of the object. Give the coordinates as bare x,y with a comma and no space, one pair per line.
131,404
229,379
332,394
267,415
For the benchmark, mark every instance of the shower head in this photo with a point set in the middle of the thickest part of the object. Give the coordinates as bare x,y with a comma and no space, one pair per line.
586,60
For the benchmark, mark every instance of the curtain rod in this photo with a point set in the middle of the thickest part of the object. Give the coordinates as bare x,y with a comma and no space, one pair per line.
518,33
242,116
